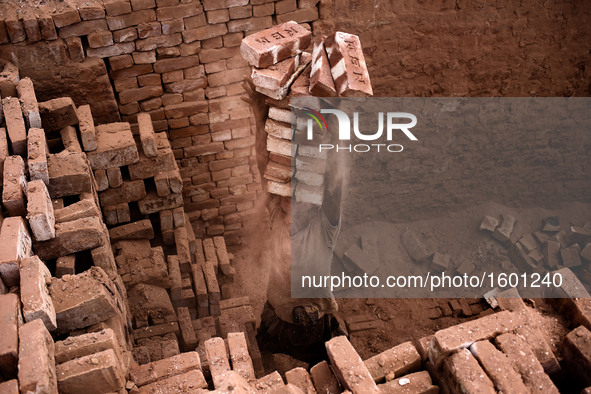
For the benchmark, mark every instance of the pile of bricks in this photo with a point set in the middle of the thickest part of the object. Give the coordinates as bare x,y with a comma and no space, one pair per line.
180,62
281,70
80,260
550,249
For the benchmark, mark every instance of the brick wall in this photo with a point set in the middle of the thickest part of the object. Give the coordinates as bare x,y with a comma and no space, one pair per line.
180,62
474,49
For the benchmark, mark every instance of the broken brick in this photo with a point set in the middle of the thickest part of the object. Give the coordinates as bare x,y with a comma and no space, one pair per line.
321,82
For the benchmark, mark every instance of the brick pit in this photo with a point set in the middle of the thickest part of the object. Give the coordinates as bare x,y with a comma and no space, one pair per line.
130,191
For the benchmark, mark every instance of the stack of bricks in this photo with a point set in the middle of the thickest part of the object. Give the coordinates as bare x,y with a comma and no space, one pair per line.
56,262
281,70
179,61
157,296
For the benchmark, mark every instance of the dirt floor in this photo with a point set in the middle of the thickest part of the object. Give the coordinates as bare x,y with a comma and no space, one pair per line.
455,233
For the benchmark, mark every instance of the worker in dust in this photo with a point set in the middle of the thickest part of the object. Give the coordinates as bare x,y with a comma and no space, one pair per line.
297,326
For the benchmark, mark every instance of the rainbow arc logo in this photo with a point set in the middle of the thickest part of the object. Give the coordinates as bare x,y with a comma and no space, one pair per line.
317,116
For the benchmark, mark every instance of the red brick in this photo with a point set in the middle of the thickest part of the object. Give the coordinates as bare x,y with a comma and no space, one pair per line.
14,186
131,95
15,125
83,28
111,50
453,338
250,24
172,366
525,362
241,12
9,387
204,32
226,77
186,382
218,16
138,5
66,18
172,26
4,38
263,9
48,31
158,42
348,366
58,113
36,364
91,12
120,62
90,301
10,320
300,16
283,6
184,109
32,29
75,49
498,367
149,29
103,369
125,35
16,30
194,22
276,76
324,379
179,11
267,47
209,5
131,19
167,65
117,7
321,82
217,358
40,211
399,360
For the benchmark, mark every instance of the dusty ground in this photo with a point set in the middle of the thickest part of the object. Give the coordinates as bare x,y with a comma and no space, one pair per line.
454,233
